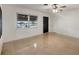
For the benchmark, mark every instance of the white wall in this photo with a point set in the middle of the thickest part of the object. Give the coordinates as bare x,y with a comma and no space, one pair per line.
67,23
10,32
64,23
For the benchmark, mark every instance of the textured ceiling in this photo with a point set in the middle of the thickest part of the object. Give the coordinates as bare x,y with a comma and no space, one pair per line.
41,7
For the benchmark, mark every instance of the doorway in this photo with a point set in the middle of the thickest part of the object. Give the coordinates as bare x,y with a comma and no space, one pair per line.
45,24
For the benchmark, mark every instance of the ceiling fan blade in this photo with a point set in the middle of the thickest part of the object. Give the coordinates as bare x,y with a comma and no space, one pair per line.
63,6
54,6
45,4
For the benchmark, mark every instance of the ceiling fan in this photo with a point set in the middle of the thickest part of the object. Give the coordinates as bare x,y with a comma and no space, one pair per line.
56,7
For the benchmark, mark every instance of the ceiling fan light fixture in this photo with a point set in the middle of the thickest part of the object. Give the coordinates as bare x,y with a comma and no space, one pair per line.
56,7
55,10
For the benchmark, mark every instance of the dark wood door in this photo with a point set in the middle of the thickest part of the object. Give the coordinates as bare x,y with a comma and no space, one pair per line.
45,24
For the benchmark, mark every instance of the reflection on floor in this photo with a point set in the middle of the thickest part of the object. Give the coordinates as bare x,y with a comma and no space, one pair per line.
49,43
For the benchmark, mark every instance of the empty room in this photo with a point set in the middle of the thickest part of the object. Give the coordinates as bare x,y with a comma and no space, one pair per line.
39,29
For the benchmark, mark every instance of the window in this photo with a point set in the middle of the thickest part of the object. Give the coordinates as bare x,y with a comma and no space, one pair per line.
33,21
22,21
26,21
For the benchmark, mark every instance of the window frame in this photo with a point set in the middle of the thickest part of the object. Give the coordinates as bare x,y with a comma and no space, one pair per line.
28,26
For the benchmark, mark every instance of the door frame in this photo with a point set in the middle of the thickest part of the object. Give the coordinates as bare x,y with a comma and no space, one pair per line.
43,24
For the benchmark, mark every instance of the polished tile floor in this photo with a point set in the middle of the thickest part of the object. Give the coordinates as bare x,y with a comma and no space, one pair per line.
45,44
